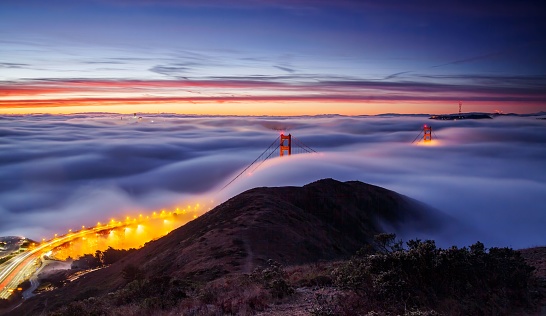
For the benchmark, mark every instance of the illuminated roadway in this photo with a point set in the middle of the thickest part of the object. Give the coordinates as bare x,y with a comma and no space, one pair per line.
21,267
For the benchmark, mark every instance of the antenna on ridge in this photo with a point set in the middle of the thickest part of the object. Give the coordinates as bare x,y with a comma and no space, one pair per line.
460,105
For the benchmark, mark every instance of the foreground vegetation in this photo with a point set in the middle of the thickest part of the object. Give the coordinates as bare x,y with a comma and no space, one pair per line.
382,279
424,279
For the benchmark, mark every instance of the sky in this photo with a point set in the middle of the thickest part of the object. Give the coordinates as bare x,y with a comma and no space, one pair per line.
271,57
59,172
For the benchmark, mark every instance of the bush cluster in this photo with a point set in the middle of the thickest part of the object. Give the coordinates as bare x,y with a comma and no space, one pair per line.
234,296
471,281
145,294
100,258
273,277
154,293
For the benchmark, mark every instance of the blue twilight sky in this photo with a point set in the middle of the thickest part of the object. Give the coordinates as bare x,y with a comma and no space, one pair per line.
277,57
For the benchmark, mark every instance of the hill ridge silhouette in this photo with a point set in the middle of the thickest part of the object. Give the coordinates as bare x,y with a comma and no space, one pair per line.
320,221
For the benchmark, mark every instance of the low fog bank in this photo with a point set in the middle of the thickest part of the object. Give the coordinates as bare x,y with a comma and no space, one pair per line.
61,172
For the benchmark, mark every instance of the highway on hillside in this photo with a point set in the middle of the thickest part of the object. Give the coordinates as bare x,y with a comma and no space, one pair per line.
22,266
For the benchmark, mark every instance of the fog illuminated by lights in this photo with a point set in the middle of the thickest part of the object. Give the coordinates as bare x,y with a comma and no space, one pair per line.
126,234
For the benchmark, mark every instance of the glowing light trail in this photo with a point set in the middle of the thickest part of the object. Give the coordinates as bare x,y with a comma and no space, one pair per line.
136,232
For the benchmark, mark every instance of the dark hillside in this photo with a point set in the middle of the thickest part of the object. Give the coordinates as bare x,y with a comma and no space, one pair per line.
324,220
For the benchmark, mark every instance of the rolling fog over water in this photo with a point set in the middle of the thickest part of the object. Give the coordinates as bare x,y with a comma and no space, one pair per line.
61,172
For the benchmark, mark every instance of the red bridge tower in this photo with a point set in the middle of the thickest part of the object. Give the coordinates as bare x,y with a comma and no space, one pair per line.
427,133
286,144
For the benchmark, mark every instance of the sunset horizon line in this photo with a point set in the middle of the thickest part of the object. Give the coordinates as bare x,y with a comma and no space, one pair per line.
180,114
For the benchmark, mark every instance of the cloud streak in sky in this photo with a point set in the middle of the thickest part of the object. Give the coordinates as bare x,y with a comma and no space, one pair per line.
60,172
52,93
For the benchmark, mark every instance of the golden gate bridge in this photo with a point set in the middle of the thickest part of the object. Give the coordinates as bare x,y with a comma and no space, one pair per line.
283,148
427,134
115,232
18,269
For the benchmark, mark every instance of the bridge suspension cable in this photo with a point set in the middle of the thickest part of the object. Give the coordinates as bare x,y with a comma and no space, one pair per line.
283,144
268,156
301,145
255,160
420,133
427,133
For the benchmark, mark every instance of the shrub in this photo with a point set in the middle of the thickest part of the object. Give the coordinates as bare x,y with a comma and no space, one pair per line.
101,258
131,272
86,261
155,293
310,275
273,278
88,307
425,277
386,243
112,255
324,306
234,296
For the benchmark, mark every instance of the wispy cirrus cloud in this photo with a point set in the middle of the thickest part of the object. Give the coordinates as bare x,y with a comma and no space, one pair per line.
465,7
82,92
284,68
13,65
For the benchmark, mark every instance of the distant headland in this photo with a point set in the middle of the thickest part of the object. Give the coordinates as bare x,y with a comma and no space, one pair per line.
467,116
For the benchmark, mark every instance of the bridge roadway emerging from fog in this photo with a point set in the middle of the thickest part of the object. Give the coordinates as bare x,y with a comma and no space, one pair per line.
22,266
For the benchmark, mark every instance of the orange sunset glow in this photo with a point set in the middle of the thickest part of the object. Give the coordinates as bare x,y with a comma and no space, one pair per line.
250,97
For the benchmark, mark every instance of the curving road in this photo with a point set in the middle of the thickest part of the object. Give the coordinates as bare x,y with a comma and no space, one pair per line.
22,266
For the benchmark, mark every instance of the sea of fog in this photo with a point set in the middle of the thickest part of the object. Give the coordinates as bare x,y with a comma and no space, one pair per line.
61,172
